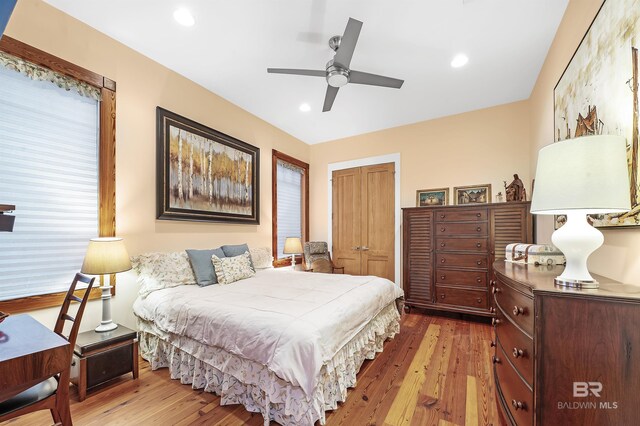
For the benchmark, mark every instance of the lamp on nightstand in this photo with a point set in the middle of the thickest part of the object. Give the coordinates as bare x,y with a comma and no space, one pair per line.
106,256
576,177
292,246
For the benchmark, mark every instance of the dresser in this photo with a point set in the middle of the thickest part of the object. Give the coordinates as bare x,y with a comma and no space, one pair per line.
564,356
448,253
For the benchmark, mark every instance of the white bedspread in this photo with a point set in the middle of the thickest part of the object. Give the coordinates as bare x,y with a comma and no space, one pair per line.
292,322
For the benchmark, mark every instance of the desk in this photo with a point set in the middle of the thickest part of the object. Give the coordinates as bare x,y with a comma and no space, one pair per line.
29,354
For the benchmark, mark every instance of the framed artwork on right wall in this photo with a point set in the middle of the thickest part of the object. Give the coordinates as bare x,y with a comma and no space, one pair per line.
598,93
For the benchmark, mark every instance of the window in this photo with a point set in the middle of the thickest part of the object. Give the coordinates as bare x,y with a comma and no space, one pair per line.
57,166
290,200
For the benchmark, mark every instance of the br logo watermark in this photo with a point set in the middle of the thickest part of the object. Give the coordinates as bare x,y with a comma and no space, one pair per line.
584,390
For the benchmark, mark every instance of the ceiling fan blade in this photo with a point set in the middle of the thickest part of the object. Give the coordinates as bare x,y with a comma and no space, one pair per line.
312,73
348,43
329,98
359,77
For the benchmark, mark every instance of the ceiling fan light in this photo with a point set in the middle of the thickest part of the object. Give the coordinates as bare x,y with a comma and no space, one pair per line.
337,77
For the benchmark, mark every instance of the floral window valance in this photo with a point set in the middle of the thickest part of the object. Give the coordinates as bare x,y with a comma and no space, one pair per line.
36,72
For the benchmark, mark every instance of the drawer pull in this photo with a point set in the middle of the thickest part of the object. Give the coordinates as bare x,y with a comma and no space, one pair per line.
517,310
479,262
478,229
517,353
479,280
443,260
495,321
479,300
495,359
443,229
478,245
492,344
442,216
492,310
442,296
495,290
492,282
442,244
518,405
478,215
442,277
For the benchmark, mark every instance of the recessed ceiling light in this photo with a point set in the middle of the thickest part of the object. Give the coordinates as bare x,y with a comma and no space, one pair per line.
184,17
305,107
459,60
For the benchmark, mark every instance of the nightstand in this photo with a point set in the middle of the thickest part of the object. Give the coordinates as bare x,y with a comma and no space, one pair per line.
100,357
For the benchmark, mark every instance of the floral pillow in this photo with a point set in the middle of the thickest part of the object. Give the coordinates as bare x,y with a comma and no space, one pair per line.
261,258
162,270
232,269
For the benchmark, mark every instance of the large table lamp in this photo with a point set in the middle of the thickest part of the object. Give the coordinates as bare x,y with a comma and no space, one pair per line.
576,177
106,256
292,246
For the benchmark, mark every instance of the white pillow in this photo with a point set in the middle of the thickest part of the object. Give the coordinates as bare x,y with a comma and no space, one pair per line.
261,257
232,269
162,270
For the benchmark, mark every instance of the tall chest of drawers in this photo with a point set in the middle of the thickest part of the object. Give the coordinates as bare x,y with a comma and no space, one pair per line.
448,253
562,356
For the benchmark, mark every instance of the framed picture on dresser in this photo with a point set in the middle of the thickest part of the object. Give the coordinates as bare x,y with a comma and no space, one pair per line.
432,197
472,194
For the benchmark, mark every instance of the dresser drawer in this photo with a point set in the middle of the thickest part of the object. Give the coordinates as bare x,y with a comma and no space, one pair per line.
518,397
516,305
461,297
518,347
479,229
454,260
462,244
476,215
470,278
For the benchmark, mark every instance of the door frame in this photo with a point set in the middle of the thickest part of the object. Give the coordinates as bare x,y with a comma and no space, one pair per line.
370,161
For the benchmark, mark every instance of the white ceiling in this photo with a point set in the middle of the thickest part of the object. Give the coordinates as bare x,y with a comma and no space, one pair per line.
234,41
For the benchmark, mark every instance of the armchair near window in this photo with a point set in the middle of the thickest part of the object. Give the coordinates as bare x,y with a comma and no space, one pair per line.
317,258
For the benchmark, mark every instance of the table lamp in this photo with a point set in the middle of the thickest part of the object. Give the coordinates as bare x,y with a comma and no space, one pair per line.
576,177
292,246
105,256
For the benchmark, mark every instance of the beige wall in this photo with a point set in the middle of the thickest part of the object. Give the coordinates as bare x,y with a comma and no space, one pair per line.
143,84
617,258
485,146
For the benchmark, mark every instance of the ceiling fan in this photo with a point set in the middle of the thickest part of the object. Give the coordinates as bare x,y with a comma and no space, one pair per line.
337,71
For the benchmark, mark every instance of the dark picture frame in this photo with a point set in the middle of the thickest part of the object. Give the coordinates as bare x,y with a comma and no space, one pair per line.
203,174
597,93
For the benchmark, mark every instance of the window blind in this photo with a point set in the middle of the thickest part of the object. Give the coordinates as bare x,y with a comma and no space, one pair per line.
289,200
49,170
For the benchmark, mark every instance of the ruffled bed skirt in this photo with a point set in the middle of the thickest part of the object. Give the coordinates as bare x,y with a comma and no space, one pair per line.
241,381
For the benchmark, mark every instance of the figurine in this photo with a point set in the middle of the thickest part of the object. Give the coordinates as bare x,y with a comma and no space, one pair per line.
515,190
499,198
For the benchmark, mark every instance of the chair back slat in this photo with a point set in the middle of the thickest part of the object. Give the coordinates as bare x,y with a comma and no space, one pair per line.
64,310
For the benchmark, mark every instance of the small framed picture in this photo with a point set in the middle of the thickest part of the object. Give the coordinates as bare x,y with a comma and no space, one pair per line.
473,194
432,197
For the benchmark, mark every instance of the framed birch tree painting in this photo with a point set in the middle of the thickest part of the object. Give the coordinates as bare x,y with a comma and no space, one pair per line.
203,174
598,93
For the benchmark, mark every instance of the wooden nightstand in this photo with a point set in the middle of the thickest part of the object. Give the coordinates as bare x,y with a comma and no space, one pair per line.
100,357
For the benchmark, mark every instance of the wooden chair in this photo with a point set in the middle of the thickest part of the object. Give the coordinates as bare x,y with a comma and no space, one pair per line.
317,258
53,393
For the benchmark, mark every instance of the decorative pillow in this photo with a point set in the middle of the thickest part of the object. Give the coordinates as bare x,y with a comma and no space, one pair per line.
162,270
236,250
317,247
232,269
202,266
261,258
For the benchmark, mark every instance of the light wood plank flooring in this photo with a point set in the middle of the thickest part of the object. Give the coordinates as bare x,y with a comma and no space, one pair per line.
437,371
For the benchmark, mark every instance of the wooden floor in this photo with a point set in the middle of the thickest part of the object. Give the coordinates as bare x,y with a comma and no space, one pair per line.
437,371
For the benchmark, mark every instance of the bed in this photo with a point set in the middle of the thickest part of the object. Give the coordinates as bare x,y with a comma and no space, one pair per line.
283,343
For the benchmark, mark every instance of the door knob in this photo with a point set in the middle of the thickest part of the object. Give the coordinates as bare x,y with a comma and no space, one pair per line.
364,248
355,248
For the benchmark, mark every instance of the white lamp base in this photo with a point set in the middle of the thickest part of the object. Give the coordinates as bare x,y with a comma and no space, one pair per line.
577,239
106,324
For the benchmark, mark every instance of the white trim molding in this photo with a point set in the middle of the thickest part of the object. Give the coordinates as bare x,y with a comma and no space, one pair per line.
369,161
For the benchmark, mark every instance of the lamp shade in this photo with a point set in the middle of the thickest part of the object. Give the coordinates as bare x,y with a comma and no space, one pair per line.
106,255
292,245
587,174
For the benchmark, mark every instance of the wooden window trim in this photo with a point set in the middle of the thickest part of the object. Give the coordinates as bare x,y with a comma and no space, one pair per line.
277,155
107,159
